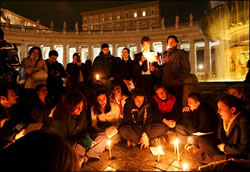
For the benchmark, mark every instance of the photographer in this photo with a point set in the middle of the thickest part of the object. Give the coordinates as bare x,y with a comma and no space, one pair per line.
75,72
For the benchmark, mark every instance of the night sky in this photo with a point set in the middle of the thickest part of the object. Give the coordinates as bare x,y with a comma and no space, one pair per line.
69,11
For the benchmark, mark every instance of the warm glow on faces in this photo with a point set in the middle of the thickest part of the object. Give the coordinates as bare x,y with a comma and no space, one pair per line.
117,90
35,54
74,59
193,104
172,43
224,111
43,92
102,100
234,92
52,59
146,45
125,54
105,51
78,108
138,100
161,93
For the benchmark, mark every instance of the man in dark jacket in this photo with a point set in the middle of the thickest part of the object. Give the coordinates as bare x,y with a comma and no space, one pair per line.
137,126
175,69
142,64
55,74
104,66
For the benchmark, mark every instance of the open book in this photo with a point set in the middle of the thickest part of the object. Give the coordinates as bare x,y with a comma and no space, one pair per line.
201,133
155,151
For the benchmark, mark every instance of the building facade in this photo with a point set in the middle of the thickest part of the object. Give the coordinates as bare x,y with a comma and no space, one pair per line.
129,25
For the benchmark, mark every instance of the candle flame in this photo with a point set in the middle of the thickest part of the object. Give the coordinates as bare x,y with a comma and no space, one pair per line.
109,142
176,142
184,166
97,76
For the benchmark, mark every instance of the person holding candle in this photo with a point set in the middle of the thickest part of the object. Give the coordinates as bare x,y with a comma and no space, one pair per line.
232,139
142,66
197,116
137,126
104,66
105,116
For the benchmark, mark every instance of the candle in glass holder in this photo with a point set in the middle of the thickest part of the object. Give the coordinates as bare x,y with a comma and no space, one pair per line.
109,145
97,77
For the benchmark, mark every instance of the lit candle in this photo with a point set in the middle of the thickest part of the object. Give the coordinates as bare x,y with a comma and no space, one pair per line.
109,145
97,77
159,153
184,166
176,148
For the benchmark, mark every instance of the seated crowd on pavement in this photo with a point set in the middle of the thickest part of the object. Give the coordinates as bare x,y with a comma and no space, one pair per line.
136,101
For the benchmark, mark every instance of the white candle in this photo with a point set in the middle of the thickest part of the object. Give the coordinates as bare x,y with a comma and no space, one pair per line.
176,148
184,166
159,153
109,145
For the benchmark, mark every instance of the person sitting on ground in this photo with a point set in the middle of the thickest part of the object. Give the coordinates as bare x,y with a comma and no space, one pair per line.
198,116
69,120
118,97
137,126
40,150
232,135
42,105
105,117
165,103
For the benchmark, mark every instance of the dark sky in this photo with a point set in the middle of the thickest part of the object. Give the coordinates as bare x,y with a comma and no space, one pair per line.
69,11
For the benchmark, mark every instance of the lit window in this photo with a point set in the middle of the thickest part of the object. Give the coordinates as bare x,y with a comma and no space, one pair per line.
135,14
118,17
144,13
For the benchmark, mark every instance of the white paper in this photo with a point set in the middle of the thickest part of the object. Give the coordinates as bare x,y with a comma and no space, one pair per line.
155,151
111,131
150,56
201,133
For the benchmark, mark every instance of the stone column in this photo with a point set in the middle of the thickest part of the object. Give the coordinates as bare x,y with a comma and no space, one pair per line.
65,55
23,53
192,57
90,53
138,47
114,53
51,47
207,59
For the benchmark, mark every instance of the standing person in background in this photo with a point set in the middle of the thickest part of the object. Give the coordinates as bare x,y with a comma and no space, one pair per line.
175,69
35,68
104,67
143,77
75,72
55,74
87,73
9,61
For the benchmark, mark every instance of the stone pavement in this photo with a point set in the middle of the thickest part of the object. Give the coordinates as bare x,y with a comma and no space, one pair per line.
136,159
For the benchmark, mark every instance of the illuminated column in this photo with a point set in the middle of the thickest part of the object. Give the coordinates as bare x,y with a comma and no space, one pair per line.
65,55
192,57
114,53
23,53
207,59
51,47
164,46
90,53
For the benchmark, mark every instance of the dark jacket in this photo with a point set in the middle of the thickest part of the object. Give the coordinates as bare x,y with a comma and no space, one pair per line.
141,117
237,142
176,69
74,71
74,130
53,69
203,119
126,69
104,66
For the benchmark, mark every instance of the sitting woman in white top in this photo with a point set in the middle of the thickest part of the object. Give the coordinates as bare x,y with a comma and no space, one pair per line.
105,117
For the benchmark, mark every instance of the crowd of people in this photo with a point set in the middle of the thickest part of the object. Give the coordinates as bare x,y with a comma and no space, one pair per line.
137,101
